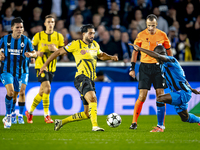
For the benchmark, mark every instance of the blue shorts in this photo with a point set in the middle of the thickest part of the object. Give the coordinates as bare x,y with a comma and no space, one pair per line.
7,78
180,100
25,78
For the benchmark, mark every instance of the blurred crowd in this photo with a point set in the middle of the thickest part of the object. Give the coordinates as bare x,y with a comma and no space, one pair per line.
117,22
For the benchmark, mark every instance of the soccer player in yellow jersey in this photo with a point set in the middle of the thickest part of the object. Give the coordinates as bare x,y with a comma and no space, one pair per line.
42,40
86,52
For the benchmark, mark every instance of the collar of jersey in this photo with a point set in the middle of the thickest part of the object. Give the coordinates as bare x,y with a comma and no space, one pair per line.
84,42
48,34
150,34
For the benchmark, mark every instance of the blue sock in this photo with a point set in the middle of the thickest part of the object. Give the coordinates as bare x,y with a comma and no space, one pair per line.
193,119
13,107
8,102
21,107
160,113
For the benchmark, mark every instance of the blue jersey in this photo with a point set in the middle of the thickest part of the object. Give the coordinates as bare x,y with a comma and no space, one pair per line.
174,75
15,61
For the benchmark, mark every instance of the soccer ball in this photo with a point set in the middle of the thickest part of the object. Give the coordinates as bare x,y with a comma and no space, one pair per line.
114,120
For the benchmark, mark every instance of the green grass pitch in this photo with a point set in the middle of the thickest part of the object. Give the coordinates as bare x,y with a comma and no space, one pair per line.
78,135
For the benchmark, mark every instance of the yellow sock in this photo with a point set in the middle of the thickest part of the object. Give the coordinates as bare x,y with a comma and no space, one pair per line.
75,117
93,113
36,101
45,98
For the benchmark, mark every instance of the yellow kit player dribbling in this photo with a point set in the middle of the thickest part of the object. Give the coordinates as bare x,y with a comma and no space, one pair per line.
86,52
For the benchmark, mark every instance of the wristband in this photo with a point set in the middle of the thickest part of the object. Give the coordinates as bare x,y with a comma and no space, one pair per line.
132,66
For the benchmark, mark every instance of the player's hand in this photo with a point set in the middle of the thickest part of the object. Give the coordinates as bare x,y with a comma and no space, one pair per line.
135,46
32,60
2,56
43,69
132,73
28,54
114,58
52,47
195,91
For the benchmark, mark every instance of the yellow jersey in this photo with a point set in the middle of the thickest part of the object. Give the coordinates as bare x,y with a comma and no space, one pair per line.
85,56
42,40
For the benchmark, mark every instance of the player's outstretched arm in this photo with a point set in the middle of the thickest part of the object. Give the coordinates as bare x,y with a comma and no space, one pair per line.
169,52
105,56
150,53
193,90
31,54
58,52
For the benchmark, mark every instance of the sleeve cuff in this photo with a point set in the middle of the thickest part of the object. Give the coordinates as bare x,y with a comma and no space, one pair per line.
65,49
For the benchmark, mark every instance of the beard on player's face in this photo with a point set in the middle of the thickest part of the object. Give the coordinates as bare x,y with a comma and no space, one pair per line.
89,40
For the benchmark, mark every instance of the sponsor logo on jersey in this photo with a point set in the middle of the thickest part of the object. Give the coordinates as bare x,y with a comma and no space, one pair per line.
15,51
83,52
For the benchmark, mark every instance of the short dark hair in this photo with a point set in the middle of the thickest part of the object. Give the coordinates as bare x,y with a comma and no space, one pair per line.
16,20
85,28
151,17
49,16
160,49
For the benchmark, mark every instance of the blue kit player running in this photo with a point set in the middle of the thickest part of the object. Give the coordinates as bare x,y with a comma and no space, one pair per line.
15,51
181,91
21,100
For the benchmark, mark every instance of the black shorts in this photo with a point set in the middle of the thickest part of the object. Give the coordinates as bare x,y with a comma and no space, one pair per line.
84,84
151,73
46,76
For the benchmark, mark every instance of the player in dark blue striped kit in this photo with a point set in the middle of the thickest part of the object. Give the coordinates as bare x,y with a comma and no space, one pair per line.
15,52
181,91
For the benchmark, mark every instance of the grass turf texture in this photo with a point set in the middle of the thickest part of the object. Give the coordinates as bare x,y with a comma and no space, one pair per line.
78,135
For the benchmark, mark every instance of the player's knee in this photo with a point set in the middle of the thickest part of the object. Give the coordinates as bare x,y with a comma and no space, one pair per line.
142,97
22,93
47,89
11,93
93,98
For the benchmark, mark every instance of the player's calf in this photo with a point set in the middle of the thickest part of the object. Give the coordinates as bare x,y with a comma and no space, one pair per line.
188,117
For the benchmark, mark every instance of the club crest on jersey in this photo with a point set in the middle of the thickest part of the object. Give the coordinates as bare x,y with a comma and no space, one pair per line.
83,52
22,44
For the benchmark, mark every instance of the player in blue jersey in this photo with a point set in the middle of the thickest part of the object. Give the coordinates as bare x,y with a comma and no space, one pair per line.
21,100
15,49
181,91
